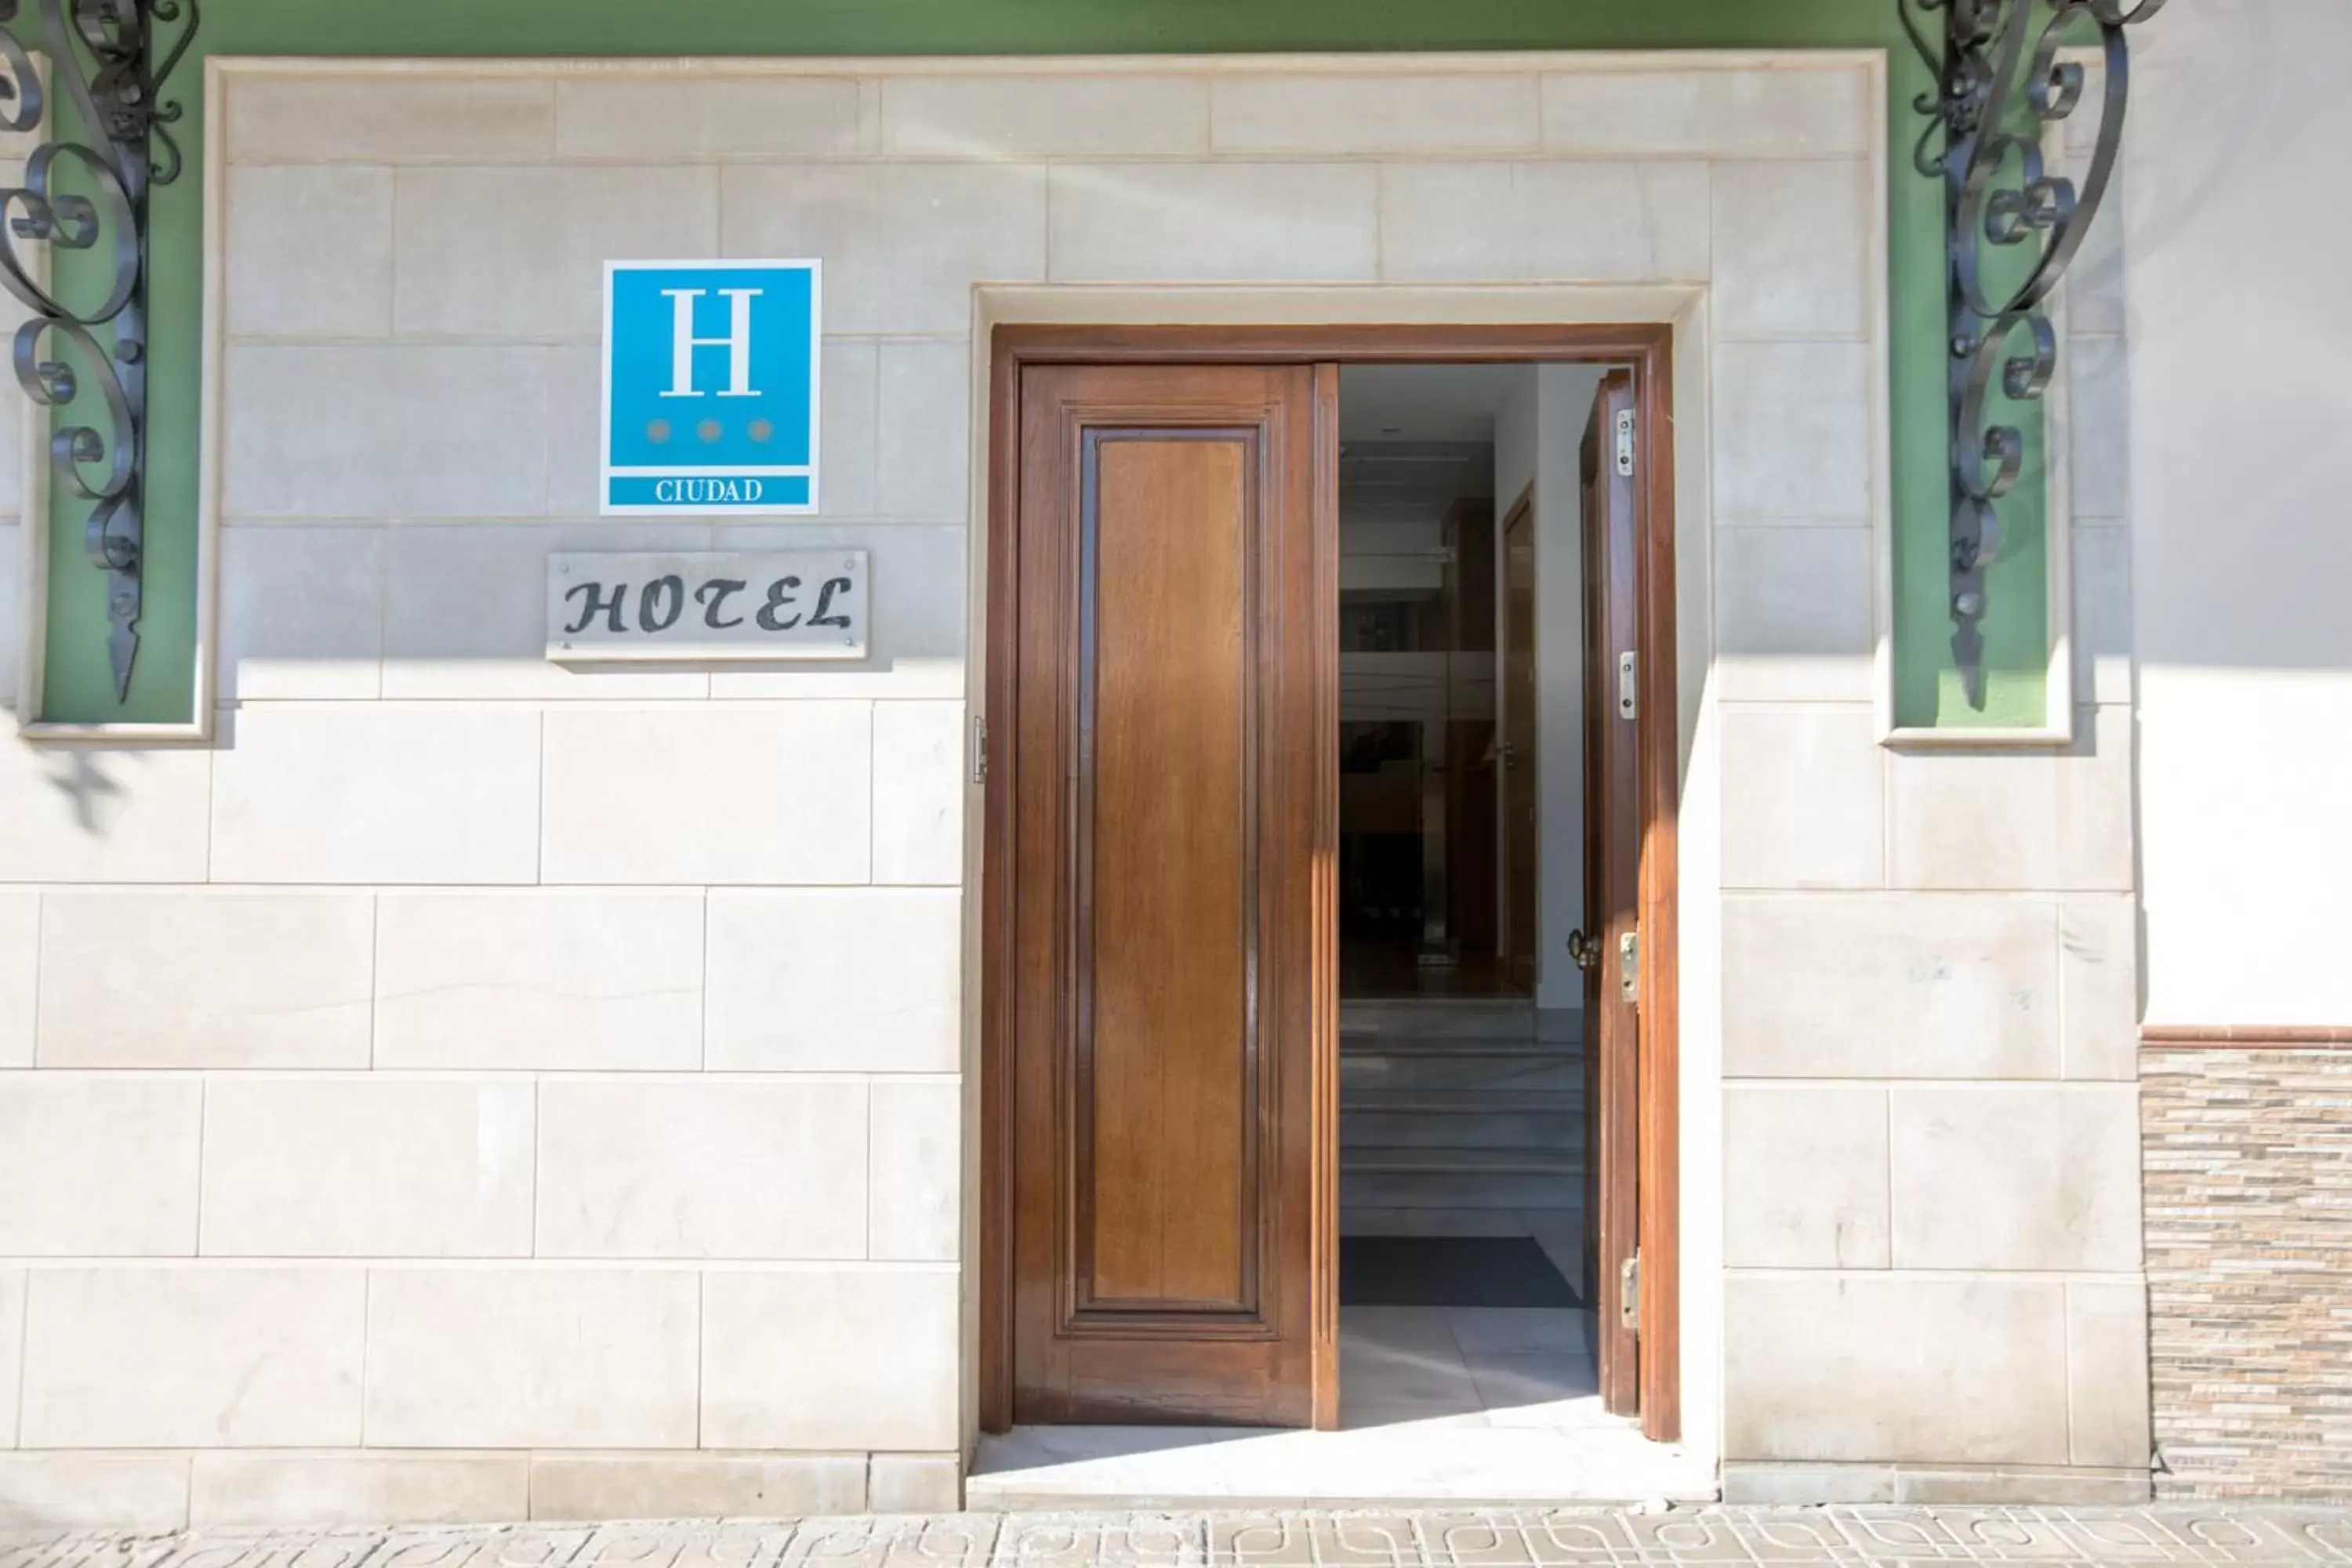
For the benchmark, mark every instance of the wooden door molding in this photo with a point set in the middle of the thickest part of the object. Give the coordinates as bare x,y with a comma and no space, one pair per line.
1648,347
1324,994
1660,744
1612,874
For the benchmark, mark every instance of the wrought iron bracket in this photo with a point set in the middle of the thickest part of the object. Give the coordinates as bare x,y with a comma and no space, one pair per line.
105,141
1992,101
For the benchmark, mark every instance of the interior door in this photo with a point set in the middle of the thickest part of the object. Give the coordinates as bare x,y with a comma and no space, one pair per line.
1173,834
1611,882
1520,839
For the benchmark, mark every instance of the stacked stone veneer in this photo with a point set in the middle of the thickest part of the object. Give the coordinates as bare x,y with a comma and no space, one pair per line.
470,1085
2249,1200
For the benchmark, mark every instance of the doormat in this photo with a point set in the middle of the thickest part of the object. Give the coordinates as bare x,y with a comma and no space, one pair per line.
1450,1272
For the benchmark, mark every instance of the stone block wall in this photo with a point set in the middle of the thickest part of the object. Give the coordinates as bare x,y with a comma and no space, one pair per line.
471,1086
2249,1200
1929,994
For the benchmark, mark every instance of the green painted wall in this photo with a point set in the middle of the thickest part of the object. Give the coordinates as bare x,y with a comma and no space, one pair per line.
1928,692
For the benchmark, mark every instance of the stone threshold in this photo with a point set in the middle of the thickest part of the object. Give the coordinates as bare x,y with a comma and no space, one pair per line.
1433,1463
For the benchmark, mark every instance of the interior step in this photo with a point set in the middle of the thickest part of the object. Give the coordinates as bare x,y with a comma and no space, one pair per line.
1389,1157
1561,1230
1403,1177
1454,1045
1464,1065
1459,1119
1441,1017
1460,1102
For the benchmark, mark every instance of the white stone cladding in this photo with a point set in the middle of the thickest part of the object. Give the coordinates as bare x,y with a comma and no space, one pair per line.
471,1086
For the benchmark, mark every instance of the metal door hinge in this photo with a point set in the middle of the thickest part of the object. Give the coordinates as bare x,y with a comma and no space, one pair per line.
1625,442
1628,966
1629,1294
1629,686
979,749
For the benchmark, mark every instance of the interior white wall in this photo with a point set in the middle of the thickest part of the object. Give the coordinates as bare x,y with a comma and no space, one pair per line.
1537,440
1515,424
2239,330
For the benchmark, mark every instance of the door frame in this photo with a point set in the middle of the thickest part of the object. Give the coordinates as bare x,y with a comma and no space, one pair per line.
1649,349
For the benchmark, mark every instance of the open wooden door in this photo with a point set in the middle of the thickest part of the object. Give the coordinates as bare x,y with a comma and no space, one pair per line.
1173,791
1605,947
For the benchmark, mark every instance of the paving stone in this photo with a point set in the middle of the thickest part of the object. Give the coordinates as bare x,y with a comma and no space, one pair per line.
1839,1537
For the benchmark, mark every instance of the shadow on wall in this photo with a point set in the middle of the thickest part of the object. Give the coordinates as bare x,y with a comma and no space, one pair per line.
78,776
2238,328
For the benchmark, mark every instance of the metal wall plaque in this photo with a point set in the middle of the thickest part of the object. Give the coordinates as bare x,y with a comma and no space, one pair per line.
710,387
776,604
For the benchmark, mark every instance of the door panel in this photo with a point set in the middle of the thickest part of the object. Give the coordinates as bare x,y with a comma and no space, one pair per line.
1165,776
1612,886
1521,844
1164,733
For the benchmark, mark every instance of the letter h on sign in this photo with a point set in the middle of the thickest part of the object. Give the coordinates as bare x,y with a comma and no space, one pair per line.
710,387
737,343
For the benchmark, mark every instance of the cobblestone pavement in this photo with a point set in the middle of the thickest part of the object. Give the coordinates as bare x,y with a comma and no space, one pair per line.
1515,1538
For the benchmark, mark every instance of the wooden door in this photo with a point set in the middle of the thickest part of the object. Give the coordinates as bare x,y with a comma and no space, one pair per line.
1520,835
1611,880
1174,805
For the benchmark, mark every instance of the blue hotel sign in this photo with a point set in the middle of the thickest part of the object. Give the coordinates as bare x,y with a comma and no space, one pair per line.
710,387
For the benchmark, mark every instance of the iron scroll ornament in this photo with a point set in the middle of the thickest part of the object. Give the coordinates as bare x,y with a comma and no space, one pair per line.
1991,103
109,60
